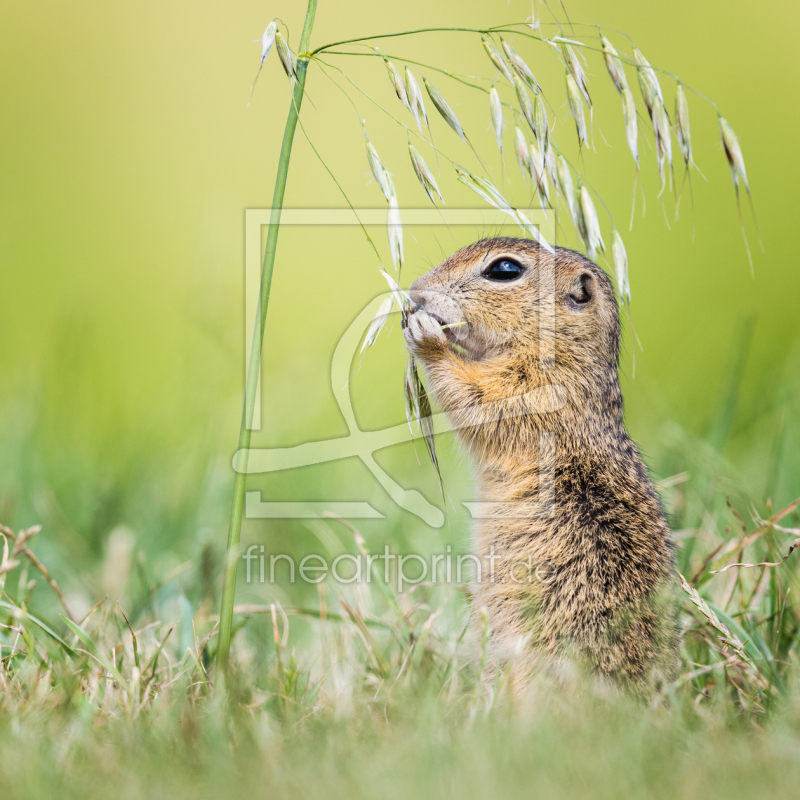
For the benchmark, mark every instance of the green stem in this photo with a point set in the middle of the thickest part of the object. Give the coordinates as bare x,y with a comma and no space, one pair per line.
234,532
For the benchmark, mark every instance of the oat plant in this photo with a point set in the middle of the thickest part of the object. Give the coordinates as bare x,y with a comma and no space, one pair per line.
419,97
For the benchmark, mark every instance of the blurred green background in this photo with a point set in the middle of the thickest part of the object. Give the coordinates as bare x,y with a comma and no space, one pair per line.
129,155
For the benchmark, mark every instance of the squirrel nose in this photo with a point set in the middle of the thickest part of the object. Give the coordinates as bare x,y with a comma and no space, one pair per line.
418,295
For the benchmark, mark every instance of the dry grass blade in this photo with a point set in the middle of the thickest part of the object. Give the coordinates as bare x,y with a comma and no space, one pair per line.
497,58
444,109
423,173
614,65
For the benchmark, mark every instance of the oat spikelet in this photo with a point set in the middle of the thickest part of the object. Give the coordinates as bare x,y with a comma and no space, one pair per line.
682,130
488,192
539,173
620,259
540,128
397,83
648,82
267,40
376,326
395,231
576,70
520,67
631,123
286,56
496,107
423,173
415,101
662,128
524,102
576,106
497,58
523,154
378,171
565,183
400,296
614,65
444,109
594,239
733,152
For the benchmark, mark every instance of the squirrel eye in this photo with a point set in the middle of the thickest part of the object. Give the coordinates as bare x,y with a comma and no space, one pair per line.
503,270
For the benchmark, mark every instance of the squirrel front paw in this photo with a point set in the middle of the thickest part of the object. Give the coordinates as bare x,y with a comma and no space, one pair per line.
424,336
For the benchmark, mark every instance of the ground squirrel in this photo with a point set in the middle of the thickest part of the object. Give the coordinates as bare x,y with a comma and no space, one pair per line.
575,551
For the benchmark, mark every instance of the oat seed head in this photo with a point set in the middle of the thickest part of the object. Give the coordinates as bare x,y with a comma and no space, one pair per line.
539,173
662,128
565,183
524,101
267,40
576,70
444,109
620,259
496,107
423,173
648,81
415,101
682,130
522,152
614,65
395,231
594,241
286,56
497,58
376,326
631,123
540,128
397,83
378,171
576,106
733,152
520,67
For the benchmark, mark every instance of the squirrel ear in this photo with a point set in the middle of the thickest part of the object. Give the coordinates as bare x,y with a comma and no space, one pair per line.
583,289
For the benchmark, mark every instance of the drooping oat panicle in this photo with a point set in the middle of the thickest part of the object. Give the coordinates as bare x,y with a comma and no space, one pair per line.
378,171
682,130
576,106
520,67
565,183
614,64
539,173
497,58
444,109
648,82
733,152
524,101
662,129
397,83
631,123
620,259
540,128
423,173
486,190
415,101
376,326
496,107
286,56
395,231
576,70
594,239
523,153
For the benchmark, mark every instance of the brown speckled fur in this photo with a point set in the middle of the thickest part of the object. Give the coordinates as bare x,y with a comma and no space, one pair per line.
602,595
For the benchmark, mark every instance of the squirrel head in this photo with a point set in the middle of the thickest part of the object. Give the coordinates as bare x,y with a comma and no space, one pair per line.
510,298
